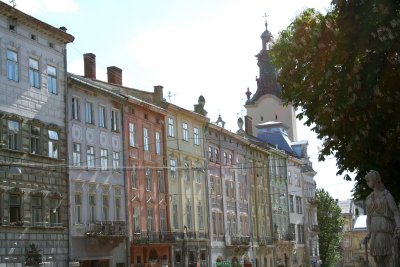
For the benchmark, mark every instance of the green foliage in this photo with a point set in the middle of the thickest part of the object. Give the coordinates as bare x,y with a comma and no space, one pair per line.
330,224
342,70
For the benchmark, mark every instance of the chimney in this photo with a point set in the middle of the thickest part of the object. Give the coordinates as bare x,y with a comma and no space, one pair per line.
89,61
158,93
248,125
114,75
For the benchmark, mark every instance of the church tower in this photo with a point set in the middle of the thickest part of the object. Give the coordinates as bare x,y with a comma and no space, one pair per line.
265,106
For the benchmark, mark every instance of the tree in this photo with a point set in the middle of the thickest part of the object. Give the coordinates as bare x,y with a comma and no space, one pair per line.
330,224
342,70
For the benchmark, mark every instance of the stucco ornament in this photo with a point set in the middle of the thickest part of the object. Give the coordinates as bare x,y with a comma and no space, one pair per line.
383,222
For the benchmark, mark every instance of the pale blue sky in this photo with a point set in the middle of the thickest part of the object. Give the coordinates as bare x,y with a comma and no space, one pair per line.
191,48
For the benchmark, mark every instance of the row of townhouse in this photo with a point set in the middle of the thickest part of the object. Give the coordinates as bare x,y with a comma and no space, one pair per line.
94,173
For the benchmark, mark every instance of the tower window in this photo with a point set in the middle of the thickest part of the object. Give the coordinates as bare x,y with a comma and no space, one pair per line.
276,117
262,118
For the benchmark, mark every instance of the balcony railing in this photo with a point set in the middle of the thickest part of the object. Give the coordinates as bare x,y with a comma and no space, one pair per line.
313,201
314,228
154,237
240,240
263,241
106,228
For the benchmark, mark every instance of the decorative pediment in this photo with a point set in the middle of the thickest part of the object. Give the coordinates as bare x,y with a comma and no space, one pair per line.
54,127
16,191
55,195
37,193
36,122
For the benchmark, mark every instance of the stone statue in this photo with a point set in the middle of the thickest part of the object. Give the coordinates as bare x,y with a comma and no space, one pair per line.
383,222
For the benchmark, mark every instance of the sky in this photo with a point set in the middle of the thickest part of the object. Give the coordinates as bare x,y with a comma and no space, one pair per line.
191,48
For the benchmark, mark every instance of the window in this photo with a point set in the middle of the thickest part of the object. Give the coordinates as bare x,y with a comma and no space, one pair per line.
136,225
53,144
225,158
52,79
149,220
189,216
35,140
187,171
197,174
78,208
115,161
216,154
103,159
89,112
105,207
34,73
292,231
90,157
134,177
196,138
149,182
12,65
172,166
200,216
15,208
75,108
300,234
291,203
185,136
118,208
37,213
161,183
13,135
92,208
114,120
289,175
158,143
175,216
146,139
299,206
76,154
131,134
230,159
210,154
54,205
102,116
171,127
163,220
297,179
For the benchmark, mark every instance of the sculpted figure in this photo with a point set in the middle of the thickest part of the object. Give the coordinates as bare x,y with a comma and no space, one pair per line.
383,222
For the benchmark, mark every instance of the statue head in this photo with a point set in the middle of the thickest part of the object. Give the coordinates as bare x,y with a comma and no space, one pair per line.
373,179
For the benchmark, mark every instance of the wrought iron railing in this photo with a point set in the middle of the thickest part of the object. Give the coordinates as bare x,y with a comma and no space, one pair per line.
106,228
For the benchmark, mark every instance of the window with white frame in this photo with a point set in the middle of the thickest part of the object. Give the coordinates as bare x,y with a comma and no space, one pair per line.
90,157
37,210
225,158
34,73
171,127
299,205
149,181
291,203
198,174
103,159
300,234
158,143
290,177
136,222
134,181
216,155
185,134
76,154
211,154
131,134
172,166
189,216
149,220
175,214
196,136
14,133
163,220
51,79
115,161
297,179
35,147
105,207
114,120
92,207
78,208
12,65
102,116
146,146
89,112
118,208
200,216
54,211
53,144
75,108
161,182
230,159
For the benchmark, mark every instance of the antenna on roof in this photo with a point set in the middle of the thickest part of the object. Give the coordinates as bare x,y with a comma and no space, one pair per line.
170,95
12,2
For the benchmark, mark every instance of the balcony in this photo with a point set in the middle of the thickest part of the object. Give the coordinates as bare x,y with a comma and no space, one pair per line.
263,241
106,229
312,201
314,228
153,237
240,240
